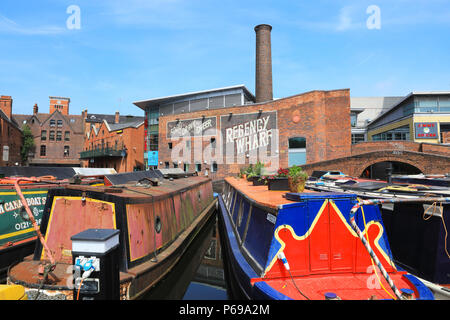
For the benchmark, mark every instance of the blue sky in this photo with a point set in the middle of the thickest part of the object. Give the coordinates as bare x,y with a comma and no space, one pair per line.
132,50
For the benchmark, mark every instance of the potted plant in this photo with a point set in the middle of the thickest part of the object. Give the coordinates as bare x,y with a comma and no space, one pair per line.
279,181
255,173
297,179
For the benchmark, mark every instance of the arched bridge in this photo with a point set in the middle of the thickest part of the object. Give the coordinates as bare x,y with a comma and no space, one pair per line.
427,158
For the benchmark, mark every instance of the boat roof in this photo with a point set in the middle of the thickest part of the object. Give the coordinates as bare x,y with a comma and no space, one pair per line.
260,194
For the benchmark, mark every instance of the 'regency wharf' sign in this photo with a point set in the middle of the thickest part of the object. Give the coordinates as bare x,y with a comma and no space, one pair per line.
248,132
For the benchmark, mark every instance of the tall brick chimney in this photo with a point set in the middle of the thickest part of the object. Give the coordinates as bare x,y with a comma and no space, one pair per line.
263,76
6,105
117,117
35,109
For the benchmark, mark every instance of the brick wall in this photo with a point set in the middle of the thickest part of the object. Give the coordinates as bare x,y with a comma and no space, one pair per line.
129,138
323,117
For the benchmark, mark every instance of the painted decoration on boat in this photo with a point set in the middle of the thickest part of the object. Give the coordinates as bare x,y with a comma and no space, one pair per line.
325,242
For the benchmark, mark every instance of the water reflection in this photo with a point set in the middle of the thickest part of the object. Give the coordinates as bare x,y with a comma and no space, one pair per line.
199,275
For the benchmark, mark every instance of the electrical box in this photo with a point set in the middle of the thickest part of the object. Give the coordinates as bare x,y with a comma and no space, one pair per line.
95,256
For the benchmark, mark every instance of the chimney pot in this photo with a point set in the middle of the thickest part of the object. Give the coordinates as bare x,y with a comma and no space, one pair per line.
35,109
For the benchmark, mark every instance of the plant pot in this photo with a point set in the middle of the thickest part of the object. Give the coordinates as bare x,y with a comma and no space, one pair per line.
251,179
259,182
296,185
280,184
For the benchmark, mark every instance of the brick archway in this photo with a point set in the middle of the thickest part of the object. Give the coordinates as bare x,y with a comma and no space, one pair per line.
354,165
359,170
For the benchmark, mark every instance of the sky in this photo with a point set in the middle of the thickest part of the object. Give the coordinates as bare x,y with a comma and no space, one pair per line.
106,54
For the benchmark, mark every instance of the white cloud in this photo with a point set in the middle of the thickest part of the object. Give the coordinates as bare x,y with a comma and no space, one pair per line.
9,26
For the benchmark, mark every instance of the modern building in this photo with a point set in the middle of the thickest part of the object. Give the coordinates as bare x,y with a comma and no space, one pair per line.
419,117
10,135
116,143
363,110
58,135
218,131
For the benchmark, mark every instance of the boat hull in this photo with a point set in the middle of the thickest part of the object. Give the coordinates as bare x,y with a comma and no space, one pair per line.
156,226
314,234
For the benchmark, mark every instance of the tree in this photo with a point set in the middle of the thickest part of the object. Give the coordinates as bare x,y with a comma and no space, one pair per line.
27,142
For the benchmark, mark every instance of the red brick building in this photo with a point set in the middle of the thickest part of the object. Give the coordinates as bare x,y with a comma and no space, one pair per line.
10,135
319,119
114,145
222,130
58,136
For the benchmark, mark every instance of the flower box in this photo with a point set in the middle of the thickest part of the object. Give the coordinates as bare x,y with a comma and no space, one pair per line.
280,184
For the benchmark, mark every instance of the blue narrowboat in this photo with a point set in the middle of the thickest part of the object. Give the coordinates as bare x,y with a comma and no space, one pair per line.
308,246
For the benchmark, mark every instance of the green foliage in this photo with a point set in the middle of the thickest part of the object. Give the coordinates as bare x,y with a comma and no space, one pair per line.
255,170
27,142
297,173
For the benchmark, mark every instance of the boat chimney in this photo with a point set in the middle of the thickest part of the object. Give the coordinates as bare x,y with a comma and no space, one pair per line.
263,72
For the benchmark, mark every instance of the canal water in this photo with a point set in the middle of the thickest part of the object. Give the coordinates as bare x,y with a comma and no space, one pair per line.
199,275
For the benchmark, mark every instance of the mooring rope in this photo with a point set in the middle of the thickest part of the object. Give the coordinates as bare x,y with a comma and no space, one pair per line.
366,243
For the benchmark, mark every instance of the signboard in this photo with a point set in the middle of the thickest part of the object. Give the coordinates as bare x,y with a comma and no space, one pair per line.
152,158
248,132
426,130
190,127
14,221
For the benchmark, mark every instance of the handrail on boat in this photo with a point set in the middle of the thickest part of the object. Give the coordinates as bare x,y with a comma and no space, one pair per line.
366,243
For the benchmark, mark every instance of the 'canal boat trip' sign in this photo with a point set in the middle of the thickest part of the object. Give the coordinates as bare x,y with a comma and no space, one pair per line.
15,224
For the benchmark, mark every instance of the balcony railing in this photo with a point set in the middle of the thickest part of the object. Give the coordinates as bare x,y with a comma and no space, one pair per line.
103,152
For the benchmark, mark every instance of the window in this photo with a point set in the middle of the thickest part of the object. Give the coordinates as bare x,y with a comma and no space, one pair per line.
297,151
175,165
170,145
66,151
59,123
357,137
198,167
166,164
43,135
213,143
186,167
401,133
214,167
58,135
52,123
188,144
353,119
52,135
67,136
43,151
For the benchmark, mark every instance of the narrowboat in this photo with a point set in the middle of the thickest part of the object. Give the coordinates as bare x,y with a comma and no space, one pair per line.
308,246
416,228
155,221
17,234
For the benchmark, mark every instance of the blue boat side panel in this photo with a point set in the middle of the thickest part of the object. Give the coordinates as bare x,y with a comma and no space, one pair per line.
241,269
241,220
424,292
263,291
372,213
236,207
259,235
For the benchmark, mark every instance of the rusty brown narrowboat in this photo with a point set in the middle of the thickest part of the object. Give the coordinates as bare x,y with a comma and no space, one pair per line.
155,224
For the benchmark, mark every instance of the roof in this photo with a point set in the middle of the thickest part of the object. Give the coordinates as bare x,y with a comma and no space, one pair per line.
110,118
157,101
411,94
76,124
